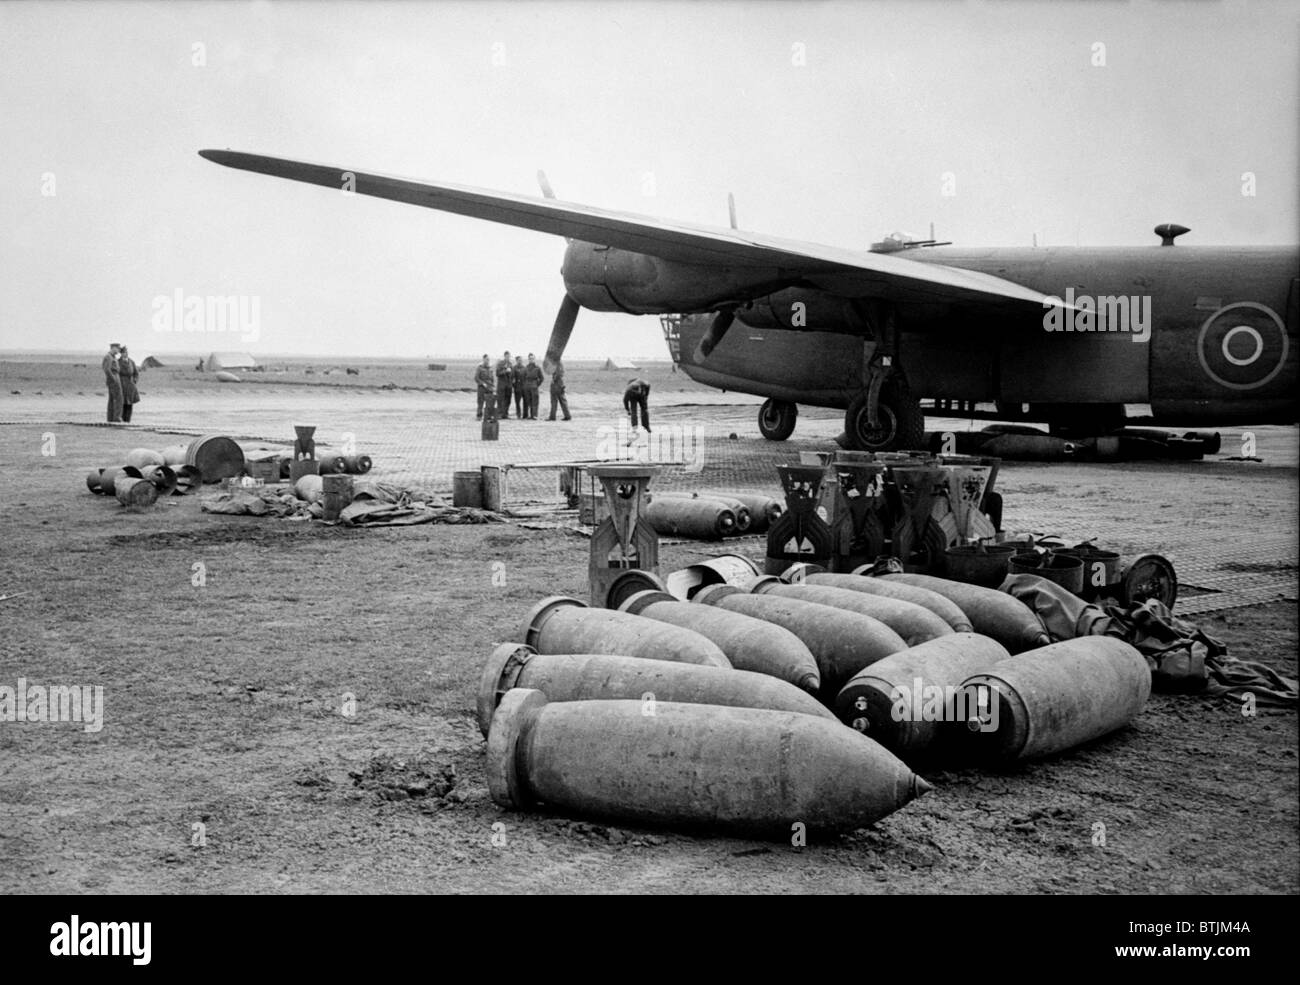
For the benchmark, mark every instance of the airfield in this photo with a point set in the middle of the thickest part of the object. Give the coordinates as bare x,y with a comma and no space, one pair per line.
223,701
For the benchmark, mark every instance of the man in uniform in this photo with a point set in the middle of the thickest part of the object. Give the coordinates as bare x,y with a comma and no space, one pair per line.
533,377
504,373
114,384
637,396
483,382
128,374
517,385
557,391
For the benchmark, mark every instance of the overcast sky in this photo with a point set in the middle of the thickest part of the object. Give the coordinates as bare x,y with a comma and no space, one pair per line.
831,122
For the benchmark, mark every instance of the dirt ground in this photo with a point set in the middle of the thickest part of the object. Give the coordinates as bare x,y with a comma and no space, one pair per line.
226,764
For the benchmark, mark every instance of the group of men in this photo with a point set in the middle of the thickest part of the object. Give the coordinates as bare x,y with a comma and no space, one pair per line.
120,376
524,382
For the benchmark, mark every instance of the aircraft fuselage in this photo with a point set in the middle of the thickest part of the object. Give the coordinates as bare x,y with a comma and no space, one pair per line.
1197,333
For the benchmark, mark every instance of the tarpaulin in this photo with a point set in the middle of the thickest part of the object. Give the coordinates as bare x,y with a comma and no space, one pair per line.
1183,658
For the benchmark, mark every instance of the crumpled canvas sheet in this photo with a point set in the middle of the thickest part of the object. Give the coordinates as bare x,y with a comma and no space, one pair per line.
374,504
1183,658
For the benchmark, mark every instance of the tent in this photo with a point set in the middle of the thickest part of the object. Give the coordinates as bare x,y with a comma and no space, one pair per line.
612,363
151,362
229,360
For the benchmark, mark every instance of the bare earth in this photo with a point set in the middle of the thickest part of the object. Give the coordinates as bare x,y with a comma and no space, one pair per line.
223,700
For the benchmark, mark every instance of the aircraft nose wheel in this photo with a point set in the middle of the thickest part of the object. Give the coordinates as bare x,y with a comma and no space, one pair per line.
776,419
902,425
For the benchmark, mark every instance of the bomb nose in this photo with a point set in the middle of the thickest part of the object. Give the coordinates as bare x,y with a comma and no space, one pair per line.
920,787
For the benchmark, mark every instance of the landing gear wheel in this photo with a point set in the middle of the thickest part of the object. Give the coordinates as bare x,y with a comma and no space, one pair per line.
902,424
776,419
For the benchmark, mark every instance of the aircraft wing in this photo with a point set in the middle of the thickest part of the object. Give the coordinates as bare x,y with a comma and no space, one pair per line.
849,273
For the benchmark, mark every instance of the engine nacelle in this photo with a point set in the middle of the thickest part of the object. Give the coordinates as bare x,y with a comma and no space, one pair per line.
601,278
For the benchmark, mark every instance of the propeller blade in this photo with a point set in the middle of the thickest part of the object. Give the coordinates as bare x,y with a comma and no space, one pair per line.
713,334
731,208
564,319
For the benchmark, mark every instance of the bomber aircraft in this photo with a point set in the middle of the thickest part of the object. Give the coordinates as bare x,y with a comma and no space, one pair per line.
1066,335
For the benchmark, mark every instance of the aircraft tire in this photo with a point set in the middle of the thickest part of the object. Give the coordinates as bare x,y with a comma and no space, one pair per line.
776,419
902,421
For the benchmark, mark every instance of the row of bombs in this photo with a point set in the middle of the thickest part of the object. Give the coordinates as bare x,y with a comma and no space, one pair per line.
711,516
707,712
138,487
327,464
147,474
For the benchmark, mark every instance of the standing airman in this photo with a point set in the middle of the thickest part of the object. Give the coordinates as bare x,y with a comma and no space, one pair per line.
505,376
128,374
517,385
483,383
533,377
557,391
114,383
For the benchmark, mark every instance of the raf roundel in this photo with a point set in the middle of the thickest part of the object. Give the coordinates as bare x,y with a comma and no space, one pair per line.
1243,345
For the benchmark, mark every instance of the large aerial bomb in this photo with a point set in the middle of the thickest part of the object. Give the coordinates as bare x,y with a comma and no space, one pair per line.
599,676
763,510
744,520
841,642
749,643
944,608
1054,698
992,613
703,519
749,770
564,625
913,623
902,701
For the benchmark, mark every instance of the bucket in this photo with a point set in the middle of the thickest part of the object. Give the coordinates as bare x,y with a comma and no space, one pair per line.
1100,568
135,494
984,565
216,457
467,489
1064,570
336,493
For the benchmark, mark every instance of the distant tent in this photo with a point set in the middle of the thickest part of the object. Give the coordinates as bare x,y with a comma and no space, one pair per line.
612,363
230,360
151,362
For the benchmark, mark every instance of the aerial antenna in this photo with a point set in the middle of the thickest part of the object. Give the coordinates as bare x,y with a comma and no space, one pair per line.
1035,239
731,209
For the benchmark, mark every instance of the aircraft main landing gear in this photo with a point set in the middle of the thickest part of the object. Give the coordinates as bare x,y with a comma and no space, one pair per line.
776,419
902,423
